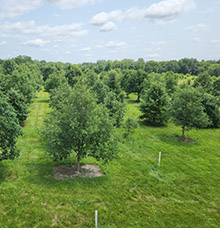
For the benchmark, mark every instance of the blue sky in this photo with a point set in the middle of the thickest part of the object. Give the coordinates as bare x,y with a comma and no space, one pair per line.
79,31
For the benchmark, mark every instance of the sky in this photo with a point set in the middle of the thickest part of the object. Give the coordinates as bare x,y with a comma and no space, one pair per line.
78,31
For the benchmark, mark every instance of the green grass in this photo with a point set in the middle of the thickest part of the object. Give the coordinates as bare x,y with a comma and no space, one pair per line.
135,192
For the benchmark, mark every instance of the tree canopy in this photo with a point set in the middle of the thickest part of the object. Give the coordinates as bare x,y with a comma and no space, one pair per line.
9,130
188,110
79,125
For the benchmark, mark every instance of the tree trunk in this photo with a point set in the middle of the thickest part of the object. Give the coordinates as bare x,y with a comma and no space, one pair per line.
183,132
78,164
138,98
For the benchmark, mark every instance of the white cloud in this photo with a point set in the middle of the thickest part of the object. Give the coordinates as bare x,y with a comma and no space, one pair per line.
162,13
86,49
157,43
147,49
15,8
88,55
109,26
197,39
134,13
154,55
103,17
59,33
36,42
217,41
198,28
168,9
113,44
3,43
68,4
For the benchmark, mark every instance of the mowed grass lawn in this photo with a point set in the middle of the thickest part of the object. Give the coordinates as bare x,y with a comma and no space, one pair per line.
135,192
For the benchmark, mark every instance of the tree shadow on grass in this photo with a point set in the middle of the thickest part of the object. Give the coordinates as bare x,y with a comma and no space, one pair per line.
46,101
42,173
132,101
176,140
150,124
3,172
6,173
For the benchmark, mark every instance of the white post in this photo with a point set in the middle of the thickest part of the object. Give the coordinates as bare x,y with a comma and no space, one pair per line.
159,158
96,219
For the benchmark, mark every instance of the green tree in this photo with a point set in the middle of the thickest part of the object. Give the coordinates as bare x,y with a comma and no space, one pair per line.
154,105
214,70
126,81
113,81
204,81
188,110
53,81
137,80
8,66
19,103
73,74
216,88
101,90
80,125
130,125
116,108
171,82
211,106
9,130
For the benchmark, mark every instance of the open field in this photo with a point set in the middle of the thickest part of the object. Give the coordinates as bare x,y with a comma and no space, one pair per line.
135,192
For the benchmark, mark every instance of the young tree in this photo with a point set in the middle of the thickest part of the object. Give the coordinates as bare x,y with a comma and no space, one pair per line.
130,125
137,81
171,82
188,110
73,74
204,81
127,82
116,108
154,105
80,125
216,88
53,81
9,130
211,106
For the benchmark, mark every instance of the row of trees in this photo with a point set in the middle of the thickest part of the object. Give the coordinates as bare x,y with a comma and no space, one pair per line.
190,104
19,80
89,99
183,66
164,97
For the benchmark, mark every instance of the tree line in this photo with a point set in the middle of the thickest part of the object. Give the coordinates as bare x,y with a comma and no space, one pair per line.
89,100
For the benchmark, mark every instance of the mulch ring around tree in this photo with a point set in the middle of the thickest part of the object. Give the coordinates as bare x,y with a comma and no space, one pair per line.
185,139
70,172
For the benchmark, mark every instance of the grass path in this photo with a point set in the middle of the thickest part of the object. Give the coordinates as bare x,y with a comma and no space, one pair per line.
134,193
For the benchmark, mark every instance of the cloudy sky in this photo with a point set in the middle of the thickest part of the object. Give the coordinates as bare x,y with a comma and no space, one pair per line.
79,31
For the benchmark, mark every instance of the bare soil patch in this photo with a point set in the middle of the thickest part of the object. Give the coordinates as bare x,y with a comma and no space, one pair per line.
70,172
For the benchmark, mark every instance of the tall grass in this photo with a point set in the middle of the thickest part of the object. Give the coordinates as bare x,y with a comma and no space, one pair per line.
135,192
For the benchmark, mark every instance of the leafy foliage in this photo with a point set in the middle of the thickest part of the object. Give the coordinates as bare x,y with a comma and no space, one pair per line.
80,125
154,105
54,81
130,125
73,74
9,130
211,106
116,108
188,110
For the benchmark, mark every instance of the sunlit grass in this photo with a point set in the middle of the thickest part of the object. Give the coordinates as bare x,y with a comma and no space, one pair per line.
135,192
